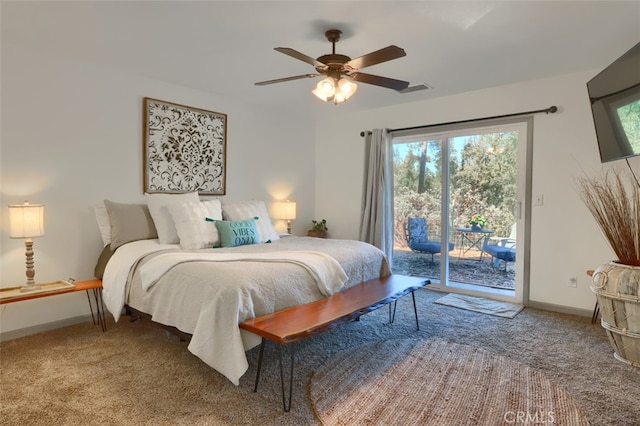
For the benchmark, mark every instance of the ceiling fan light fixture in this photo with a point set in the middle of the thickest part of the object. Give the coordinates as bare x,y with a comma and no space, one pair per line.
329,90
325,89
347,87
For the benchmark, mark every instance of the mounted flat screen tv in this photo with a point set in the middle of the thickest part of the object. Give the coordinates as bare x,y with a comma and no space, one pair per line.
615,104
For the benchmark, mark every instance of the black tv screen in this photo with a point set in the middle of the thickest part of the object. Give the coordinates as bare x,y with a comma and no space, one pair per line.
615,104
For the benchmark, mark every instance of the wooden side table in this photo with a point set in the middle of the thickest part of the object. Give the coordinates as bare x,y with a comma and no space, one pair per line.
94,286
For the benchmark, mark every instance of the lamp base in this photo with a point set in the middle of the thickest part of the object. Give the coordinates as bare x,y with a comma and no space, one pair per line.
30,287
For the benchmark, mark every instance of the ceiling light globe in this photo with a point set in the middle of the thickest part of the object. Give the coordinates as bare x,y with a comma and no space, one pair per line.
327,86
347,87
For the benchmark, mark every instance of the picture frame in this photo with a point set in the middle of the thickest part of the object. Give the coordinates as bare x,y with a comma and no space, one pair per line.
184,149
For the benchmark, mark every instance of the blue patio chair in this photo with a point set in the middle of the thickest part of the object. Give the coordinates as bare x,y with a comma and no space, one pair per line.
417,236
503,250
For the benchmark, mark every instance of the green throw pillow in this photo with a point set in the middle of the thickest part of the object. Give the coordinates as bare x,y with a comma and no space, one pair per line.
237,233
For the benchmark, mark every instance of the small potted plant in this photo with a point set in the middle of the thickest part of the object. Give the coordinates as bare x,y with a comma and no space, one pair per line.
477,221
319,229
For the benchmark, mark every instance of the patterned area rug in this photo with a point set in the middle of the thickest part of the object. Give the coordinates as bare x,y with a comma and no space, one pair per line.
433,382
482,305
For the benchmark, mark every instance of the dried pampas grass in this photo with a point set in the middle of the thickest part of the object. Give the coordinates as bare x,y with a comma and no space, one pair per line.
614,202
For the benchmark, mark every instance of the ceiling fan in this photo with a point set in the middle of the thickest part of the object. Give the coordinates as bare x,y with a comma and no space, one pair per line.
342,71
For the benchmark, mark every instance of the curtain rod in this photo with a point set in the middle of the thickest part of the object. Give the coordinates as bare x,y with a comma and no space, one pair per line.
552,109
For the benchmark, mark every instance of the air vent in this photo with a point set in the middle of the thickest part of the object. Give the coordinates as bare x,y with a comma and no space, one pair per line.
415,88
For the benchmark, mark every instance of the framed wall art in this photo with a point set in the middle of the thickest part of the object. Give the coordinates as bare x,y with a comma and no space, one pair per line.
184,149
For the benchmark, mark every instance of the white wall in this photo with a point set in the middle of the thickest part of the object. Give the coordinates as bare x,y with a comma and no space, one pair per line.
72,136
565,239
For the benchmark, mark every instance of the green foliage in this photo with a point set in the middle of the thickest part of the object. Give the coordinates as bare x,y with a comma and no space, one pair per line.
483,181
478,219
319,225
630,120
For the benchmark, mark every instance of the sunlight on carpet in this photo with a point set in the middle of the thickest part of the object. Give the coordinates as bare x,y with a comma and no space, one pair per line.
482,305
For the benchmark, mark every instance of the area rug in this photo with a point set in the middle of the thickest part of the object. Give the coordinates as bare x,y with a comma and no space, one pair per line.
434,382
482,305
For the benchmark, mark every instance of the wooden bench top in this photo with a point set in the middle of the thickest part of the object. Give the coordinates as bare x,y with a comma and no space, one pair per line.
302,321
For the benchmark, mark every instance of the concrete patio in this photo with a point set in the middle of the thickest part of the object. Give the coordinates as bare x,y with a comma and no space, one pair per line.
463,268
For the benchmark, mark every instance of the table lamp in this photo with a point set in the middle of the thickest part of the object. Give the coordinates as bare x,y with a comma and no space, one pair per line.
287,211
26,221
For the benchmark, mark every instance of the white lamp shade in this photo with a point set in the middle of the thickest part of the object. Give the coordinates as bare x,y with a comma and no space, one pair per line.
285,210
26,220
289,210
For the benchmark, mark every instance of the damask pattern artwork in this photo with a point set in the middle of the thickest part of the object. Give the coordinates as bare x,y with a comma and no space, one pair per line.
184,149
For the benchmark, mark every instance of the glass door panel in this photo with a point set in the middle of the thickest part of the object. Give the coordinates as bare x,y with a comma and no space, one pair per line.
457,207
483,193
418,206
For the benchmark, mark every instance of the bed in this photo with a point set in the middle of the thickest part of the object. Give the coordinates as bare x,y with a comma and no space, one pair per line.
207,292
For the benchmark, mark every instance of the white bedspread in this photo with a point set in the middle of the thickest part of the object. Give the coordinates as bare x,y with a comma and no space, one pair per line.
325,270
120,266
209,299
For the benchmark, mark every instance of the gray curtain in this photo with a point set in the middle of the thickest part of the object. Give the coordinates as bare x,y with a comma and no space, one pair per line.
376,224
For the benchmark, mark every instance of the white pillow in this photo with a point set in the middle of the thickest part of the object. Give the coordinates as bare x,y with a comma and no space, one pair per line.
243,210
104,225
159,208
194,231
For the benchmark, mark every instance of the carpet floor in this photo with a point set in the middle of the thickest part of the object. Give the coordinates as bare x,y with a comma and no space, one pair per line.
136,374
434,382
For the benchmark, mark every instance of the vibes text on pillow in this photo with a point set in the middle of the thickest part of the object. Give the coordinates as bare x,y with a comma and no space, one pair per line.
238,232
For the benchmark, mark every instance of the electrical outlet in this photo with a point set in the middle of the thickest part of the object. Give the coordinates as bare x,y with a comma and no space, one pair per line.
539,201
573,282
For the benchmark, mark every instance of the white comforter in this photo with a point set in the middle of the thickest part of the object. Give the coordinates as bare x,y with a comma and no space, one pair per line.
209,299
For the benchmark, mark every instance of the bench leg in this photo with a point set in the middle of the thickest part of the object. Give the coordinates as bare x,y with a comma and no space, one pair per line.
392,312
100,317
262,343
287,404
415,309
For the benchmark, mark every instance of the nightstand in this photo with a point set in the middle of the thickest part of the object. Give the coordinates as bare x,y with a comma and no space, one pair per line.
10,295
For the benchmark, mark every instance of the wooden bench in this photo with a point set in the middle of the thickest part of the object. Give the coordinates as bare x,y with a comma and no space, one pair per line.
300,322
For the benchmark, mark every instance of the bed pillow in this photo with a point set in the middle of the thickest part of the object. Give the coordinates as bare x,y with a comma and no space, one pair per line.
191,224
102,217
159,209
243,210
238,232
101,264
129,222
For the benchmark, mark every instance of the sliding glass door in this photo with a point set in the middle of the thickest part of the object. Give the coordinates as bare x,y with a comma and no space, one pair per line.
460,207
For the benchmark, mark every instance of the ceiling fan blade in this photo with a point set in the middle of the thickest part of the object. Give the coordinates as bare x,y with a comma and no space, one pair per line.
280,80
301,56
383,55
389,83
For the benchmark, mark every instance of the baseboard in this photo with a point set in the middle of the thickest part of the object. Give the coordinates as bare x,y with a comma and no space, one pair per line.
559,308
40,328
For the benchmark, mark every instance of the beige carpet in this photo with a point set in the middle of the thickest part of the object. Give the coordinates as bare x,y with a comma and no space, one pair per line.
434,382
482,305
134,374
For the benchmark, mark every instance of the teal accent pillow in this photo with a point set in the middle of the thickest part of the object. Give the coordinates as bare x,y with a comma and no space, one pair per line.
237,233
